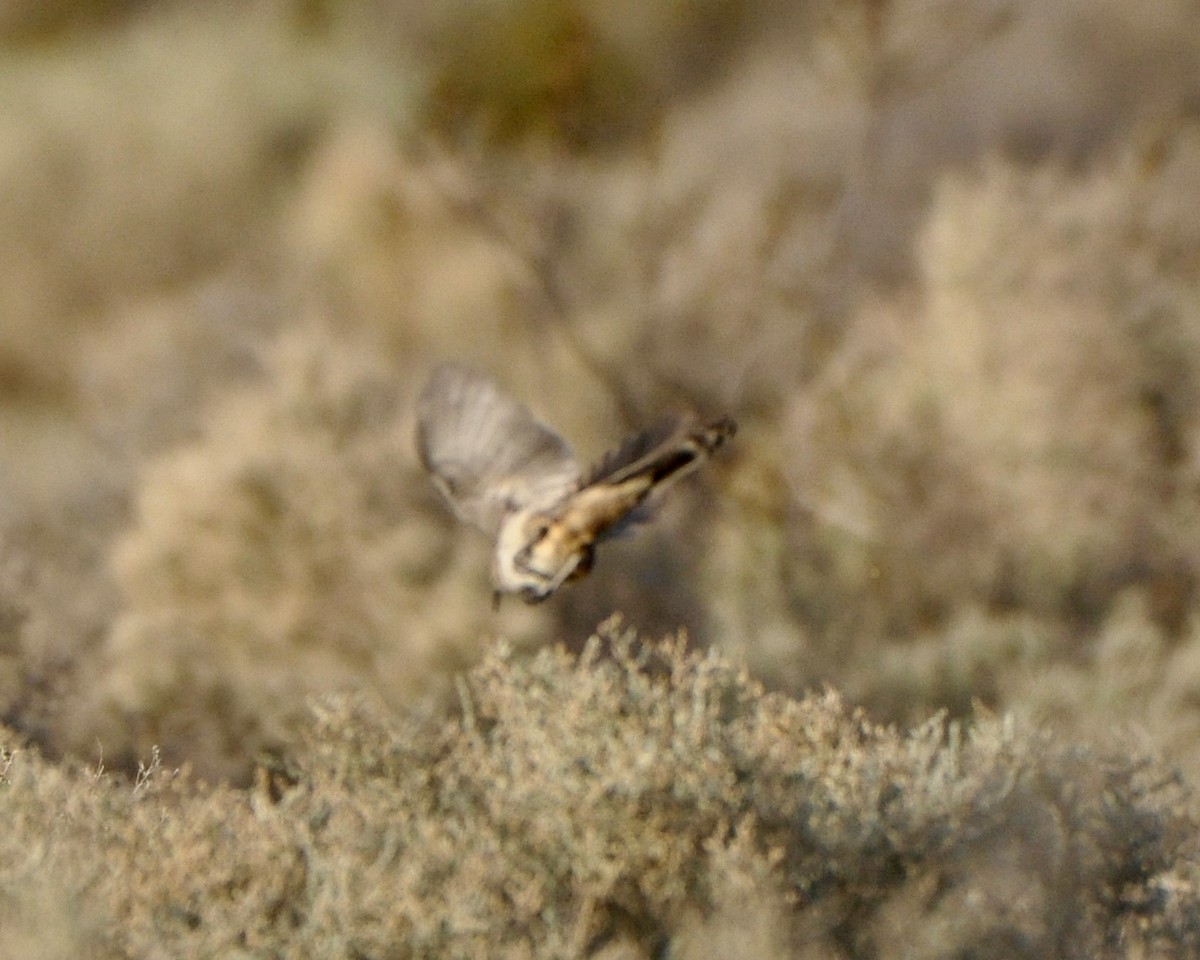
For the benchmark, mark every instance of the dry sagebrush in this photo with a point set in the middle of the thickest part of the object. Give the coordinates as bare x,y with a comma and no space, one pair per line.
272,558
1014,437
1008,428
975,483
635,797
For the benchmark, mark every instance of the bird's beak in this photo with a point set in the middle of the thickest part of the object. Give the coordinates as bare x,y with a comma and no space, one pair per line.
496,595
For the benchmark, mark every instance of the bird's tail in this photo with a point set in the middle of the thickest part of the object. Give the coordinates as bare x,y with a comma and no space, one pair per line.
663,452
623,489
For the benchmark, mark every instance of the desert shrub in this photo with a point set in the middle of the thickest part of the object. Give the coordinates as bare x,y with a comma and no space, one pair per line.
1134,674
109,194
1015,436
273,557
147,383
1040,357
954,314
992,430
627,800
145,379
383,235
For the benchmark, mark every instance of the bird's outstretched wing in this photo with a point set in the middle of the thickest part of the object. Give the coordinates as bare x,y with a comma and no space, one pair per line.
486,452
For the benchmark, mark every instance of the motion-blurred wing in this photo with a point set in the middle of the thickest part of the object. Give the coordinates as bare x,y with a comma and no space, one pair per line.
486,452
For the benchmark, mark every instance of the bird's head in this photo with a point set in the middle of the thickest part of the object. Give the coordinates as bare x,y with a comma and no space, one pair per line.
535,556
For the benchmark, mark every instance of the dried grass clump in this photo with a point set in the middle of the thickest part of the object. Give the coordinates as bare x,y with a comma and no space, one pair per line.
275,557
632,800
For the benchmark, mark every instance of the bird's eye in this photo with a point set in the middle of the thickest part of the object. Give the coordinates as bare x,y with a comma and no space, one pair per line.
535,533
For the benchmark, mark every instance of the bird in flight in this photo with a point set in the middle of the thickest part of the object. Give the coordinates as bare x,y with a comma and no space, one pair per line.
504,471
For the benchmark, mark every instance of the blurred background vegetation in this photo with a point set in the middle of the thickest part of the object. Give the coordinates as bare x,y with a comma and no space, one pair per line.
939,258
